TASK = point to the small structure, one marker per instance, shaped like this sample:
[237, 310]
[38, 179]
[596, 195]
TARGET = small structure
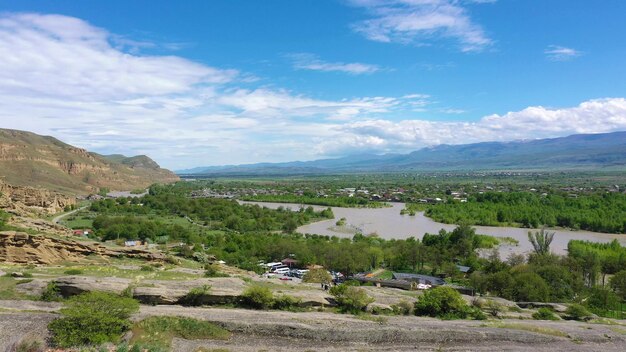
[81, 232]
[290, 262]
[419, 278]
[132, 243]
[463, 269]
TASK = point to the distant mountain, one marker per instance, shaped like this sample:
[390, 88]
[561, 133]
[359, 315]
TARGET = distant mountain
[28, 159]
[581, 152]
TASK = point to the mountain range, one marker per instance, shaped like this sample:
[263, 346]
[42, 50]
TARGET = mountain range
[29, 159]
[575, 152]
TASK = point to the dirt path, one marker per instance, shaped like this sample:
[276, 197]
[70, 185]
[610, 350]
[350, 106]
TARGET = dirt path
[58, 218]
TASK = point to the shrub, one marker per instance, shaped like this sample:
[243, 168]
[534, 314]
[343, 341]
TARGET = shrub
[493, 308]
[577, 312]
[544, 314]
[288, 303]
[350, 298]
[402, 308]
[51, 293]
[73, 272]
[320, 275]
[93, 318]
[161, 330]
[602, 298]
[195, 296]
[442, 302]
[147, 268]
[213, 270]
[30, 345]
[258, 297]
[618, 283]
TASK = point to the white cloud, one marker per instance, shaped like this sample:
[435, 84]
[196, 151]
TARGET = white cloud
[61, 76]
[561, 53]
[420, 22]
[305, 61]
[593, 116]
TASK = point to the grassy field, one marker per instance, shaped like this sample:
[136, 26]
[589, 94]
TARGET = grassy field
[7, 288]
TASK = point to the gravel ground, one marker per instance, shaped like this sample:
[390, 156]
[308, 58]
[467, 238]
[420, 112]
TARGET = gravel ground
[319, 331]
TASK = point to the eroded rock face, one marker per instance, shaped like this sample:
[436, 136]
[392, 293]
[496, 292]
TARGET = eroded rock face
[23, 199]
[22, 248]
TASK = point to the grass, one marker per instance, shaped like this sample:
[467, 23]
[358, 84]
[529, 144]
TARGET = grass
[618, 330]
[161, 330]
[526, 327]
[384, 275]
[7, 288]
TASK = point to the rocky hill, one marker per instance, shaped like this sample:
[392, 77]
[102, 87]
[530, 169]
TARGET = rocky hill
[28, 159]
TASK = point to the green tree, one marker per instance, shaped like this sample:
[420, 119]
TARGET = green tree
[442, 302]
[541, 241]
[258, 297]
[618, 284]
[350, 298]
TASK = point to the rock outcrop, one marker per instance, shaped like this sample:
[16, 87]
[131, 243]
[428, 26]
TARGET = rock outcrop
[22, 248]
[25, 201]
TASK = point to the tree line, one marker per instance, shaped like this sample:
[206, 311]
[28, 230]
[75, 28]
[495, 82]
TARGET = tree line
[595, 212]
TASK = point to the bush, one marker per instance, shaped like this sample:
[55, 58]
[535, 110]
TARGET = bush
[288, 303]
[51, 293]
[161, 330]
[30, 345]
[442, 302]
[350, 298]
[493, 308]
[195, 296]
[73, 272]
[213, 270]
[93, 318]
[147, 268]
[320, 275]
[577, 312]
[544, 314]
[618, 284]
[257, 297]
[402, 308]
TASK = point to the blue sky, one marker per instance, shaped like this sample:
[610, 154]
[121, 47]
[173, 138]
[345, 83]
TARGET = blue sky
[197, 83]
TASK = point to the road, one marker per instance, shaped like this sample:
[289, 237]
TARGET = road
[60, 217]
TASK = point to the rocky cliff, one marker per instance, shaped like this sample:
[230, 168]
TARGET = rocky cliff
[22, 248]
[28, 159]
[24, 200]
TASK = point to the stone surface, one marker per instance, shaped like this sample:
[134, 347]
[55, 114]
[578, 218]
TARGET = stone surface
[22, 248]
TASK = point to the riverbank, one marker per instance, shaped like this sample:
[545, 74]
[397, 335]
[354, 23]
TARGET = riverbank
[389, 224]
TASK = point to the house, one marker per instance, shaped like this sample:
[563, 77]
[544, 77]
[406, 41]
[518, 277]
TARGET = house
[419, 278]
[290, 262]
[81, 232]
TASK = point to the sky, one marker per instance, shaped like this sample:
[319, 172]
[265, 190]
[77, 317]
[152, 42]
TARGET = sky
[222, 82]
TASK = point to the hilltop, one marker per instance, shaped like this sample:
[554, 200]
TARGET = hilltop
[29, 159]
[577, 152]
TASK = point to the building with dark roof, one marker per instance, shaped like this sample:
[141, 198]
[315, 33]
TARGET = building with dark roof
[419, 278]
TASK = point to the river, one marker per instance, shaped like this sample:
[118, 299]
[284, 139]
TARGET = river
[389, 224]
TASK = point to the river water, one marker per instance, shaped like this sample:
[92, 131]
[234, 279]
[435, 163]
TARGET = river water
[389, 224]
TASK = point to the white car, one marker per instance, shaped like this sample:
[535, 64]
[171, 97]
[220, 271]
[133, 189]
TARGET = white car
[423, 286]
